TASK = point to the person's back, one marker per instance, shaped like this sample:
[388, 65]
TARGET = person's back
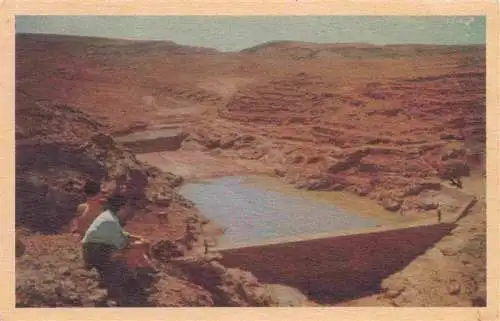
[106, 229]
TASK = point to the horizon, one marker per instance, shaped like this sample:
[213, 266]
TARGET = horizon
[255, 46]
[236, 33]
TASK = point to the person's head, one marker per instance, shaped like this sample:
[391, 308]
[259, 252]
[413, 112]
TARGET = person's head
[116, 202]
[91, 188]
[121, 206]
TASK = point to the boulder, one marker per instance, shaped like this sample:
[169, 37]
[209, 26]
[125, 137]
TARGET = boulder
[359, 190]
[165, 250]
[279, 172]
[103, 140]
[453, 153]
[391, 203]
[286, 296]
[314, 159]
[453, 169]
[162, 199]
[340, 165]
[426, 204]
[317, 184]
[416, 188]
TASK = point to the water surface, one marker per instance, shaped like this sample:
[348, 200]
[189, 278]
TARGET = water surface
[253, 214]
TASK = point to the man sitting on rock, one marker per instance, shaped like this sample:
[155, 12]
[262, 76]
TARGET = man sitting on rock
[105, 244]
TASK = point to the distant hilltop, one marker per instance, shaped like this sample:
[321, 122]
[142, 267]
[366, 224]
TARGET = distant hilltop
[121, 43]
[283, 44]
[307, 50]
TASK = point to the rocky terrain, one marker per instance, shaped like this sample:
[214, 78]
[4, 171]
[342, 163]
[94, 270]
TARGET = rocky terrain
[57, 149]
[389, 123]
[321, 116]
[388, 136]
[457, 265]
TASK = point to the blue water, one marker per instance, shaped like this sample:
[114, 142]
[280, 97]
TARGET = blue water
[252, 214]
[234, 33]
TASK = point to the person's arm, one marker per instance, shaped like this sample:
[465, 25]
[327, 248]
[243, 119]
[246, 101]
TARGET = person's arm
[132, 237]
[75, 223]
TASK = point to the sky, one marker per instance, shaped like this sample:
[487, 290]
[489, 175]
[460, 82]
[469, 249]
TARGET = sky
[234, 33]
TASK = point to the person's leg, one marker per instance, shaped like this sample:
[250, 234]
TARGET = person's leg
[95, 256]
[110, 279]
[119, 278]
[91, 255]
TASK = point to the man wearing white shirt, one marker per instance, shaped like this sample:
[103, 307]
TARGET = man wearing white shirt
[104, 239]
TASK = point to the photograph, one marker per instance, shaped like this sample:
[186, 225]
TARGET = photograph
[314, 161]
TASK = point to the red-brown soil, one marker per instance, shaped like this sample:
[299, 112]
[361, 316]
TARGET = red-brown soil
[388, 123]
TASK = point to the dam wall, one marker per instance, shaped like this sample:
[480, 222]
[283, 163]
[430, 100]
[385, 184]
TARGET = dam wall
[338, 268]
[153, 140]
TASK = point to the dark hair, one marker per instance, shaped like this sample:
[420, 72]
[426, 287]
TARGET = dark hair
[116, 201]
[91, 188]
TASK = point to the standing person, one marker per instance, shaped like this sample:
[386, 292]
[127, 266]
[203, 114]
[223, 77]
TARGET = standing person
[205, 244]
[439, 214]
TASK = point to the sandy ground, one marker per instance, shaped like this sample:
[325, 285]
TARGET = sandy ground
[195, 165]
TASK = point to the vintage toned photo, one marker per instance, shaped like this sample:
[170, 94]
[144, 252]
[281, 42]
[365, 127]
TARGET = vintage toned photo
[250, 161]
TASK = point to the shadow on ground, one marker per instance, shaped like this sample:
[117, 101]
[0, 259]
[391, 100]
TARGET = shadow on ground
[332, 270]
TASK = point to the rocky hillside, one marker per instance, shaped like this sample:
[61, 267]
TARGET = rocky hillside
[51, 274]
[57, 149]
[453, 273]
[384, 128]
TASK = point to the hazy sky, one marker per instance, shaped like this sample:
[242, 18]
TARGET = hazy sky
[231, 33]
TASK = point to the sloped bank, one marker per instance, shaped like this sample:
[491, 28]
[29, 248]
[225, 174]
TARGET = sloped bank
[51, 274]
[57, 149]
[451, 273]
